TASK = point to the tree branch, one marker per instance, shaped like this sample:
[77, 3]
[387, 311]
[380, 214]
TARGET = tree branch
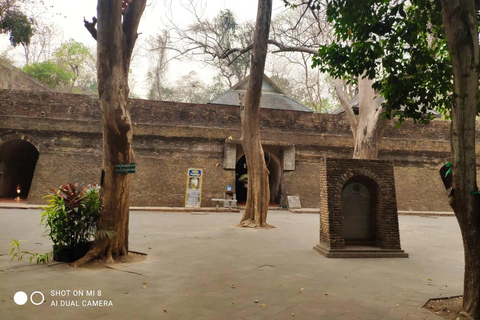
[91, 27]
[233, 50]
[281, 48]
[131, 20]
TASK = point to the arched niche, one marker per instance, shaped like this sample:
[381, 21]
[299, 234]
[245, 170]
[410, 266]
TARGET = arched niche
[275, 169]
[18, 159]
[359, 202]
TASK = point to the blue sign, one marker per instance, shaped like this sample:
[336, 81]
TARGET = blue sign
[195, 173]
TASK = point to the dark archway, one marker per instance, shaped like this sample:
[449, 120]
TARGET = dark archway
[359, 202]
[18, 159]
[273, 165]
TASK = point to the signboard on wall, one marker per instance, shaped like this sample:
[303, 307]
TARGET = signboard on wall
[193, 195]
[289, 158]
[230, 156]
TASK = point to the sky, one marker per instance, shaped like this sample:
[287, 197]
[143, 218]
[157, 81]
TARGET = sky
[68, 16]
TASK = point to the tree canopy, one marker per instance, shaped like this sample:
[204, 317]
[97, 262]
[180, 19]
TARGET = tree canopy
[71, 69]
[400, 45]
[15, 23]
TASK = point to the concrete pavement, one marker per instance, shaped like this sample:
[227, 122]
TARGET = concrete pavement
[201, 267]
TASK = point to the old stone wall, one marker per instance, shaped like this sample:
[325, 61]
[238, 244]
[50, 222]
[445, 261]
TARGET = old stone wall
[14, 79]
[171, 137]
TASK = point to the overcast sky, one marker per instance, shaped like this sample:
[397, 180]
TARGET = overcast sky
[68, 17]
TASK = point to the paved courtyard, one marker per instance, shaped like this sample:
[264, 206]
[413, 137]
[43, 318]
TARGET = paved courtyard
[201, 267]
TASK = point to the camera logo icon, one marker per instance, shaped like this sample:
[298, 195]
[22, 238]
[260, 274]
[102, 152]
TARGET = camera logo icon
[21, 298]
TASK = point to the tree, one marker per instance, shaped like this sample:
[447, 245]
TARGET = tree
[369, 125]
[191, 89]
[76, 58]
[49, 73]
[39, 49]
[258, 194]
[296, 36]
[301, 29]
[15, 23]
[156, 76]
[115, 29]
[422, 54]
[211, 38]
[70, 70]
[460, 19]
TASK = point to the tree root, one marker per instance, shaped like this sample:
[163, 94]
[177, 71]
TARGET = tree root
[249, 223]
[98, 252]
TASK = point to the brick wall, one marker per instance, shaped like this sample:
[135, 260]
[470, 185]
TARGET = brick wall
[378, 177]
[171, 137]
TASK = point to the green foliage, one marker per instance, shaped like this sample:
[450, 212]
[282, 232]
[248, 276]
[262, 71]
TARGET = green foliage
[17, 253]
[72, 69]
[104, 234]
[18, 25]
[70, 220]
[49, 73]
[76, 59]
[448, 172]
[398, 44]
[71, 215]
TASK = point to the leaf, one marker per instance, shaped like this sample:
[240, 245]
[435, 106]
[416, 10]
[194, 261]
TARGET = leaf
[475, 192]
[448, 172]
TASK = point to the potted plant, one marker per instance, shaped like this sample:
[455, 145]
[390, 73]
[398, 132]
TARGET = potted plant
[71, 220]
[244, 179]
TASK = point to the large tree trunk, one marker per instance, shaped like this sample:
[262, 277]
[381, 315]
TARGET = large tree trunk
[115, 41]
[461, 28]
[258, 194]
[368, 127]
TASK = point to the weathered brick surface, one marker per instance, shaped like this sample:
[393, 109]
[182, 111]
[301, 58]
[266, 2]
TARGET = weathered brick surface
[378, 177]
[170, 137]
[13, 78]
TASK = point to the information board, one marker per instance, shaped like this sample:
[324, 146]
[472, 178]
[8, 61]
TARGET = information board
[193, 195]
[125, 168]
[294, 202]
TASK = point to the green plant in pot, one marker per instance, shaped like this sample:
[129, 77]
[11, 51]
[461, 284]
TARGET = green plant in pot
[71, 220]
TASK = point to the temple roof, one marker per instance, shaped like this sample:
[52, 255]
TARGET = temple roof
[272, 96]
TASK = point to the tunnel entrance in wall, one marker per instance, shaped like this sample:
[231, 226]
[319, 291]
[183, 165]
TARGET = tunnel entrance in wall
[18, 159]
[273, 165]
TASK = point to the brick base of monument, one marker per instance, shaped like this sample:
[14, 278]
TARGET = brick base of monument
[360, 252]
[358, 210]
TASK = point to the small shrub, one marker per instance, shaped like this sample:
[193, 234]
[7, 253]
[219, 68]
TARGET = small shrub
[71, 215]
[70, 219]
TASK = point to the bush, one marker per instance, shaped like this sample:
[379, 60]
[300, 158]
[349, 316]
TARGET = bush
[71, 219]
[71, 215]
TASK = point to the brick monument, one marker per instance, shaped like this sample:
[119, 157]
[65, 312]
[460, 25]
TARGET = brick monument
[358, 209]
